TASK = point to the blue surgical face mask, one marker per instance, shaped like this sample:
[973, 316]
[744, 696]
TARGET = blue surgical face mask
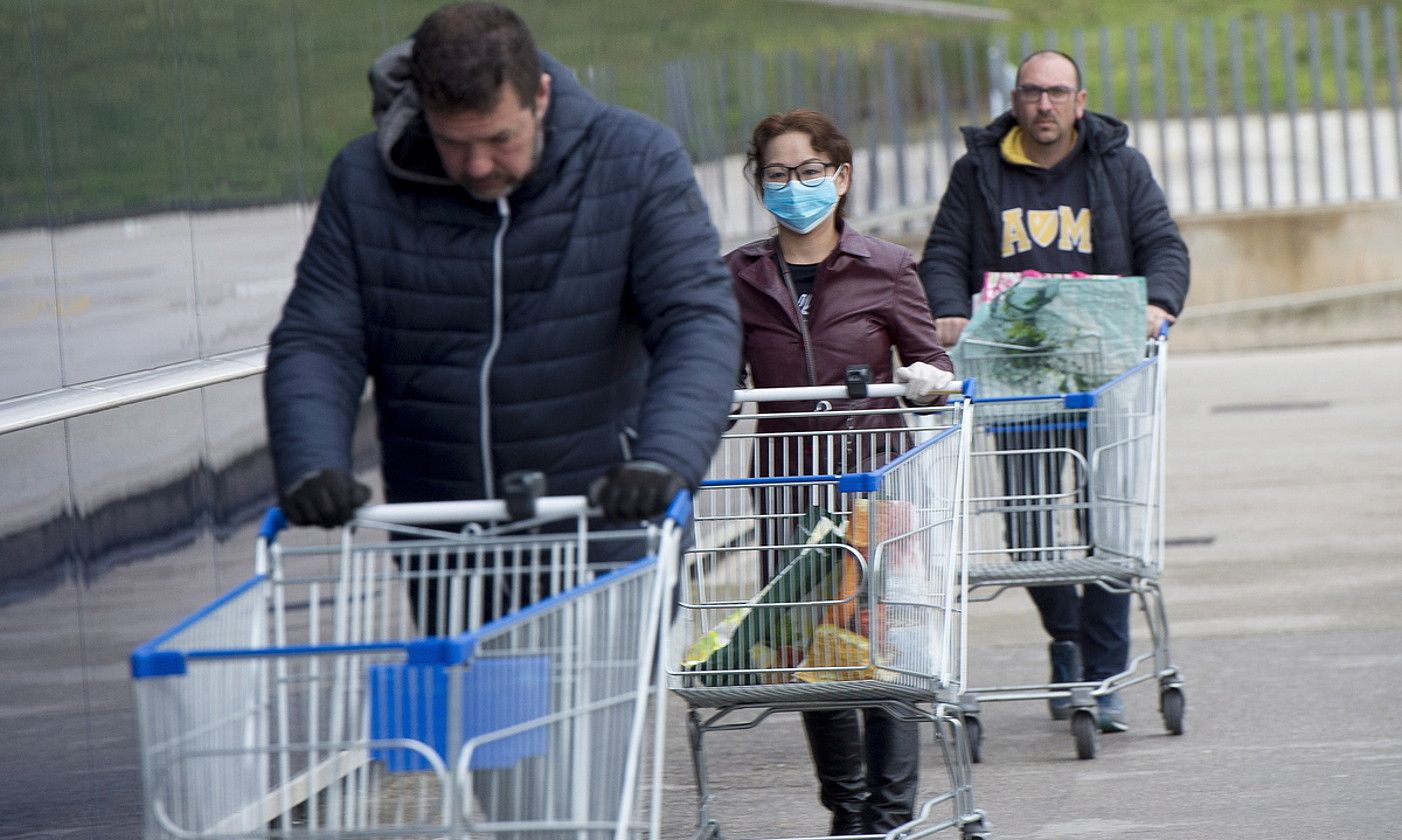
[801, 208]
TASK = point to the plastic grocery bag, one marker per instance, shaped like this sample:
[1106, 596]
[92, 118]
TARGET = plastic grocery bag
[1054, 335]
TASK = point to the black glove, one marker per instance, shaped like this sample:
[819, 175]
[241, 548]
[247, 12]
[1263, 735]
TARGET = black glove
[327, 498]
[635, 490]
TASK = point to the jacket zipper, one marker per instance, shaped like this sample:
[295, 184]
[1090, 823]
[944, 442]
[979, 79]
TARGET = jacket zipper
[484, 394]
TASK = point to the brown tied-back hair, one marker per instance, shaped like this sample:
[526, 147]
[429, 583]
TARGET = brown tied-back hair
[464, 52]
[827, 139]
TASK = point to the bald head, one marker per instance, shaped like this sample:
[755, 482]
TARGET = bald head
[1047, 102]
[1055, 58]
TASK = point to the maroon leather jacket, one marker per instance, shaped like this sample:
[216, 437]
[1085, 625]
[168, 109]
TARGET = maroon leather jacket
[867, 298]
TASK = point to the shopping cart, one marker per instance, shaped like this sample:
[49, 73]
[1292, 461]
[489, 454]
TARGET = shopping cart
[306, 703]
[828, 573]
[1067, 488]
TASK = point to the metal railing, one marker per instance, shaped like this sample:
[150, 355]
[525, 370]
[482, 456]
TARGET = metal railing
[1233, 113]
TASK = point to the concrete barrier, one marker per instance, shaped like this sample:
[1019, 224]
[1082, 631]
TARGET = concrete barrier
[1345, 315]
[1268, 253]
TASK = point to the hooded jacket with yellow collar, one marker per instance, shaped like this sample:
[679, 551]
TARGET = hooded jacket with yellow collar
[1130, 223]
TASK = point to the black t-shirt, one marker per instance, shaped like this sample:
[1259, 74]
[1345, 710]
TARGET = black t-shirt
[804, 277]
[1045, 217]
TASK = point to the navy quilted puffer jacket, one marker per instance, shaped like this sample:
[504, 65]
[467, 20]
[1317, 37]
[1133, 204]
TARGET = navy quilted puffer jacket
[589, 323]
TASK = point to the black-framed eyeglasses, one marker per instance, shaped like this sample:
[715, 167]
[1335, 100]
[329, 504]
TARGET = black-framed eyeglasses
[810, 173]
[1058, 94]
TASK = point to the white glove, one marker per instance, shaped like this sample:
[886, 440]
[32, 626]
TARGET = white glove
[921, 379]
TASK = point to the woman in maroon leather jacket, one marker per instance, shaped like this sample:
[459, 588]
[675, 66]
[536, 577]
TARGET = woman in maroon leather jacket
[818, 297]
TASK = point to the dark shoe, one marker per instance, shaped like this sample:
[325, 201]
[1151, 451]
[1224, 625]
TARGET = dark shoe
[847, 822]
[1065, 668]
[1112, 713]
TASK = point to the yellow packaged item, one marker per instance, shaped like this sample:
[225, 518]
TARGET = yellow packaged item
[834, 647]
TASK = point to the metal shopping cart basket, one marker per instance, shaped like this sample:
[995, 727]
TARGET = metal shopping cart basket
[1067, 488]
[306, 703]
[828, 573]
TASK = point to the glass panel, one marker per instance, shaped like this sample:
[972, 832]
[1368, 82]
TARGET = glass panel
[28, 321]
[145, 562]
[241, 471]
[28, 313]
[22, 194]
[244, 127]
[42, 705]
[112, 98]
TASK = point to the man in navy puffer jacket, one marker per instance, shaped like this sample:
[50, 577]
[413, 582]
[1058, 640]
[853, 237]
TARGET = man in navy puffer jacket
[529, 278]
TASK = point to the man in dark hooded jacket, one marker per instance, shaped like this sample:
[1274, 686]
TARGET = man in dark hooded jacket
[1053, 187]
[529, 278]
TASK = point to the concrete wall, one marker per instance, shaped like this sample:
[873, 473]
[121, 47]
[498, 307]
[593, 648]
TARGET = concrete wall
[1242, 256]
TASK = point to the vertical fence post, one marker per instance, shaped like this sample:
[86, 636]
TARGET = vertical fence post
[896, 102]
[946, 129]
[1317, 99]
[923, 92]
[1107, 75]
[1209, 63]
[1078, 51]
[1264, 104]
[1131, 56]
[1365, 67]
[1180, 45]
[971, 97]
[1394, 100]
[845, 82]
[1024, 45]
[1341, 84]
[999, 85]
[1160, 105]
[1287, 64]
[1239, 108]
[756, 107]
[871, 133]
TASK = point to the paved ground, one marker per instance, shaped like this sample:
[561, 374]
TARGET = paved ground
[1284, 592]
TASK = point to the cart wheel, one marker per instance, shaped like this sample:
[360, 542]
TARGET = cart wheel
[1087, 732]
[1171, 703]
[973, 733]
[976, 830]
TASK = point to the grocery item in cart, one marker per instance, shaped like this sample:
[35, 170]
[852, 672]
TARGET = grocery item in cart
[1054, 335]
[776, 626]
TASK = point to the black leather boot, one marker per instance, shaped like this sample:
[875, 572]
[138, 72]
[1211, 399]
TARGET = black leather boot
[893, 770]
[835, 740]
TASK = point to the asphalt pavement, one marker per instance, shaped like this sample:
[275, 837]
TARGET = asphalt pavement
[1283, 586]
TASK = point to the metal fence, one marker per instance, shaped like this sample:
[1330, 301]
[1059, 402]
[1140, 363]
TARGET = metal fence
[1233, 113]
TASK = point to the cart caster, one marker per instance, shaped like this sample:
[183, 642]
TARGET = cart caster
[1171, 704]
[973, 734]
[709, 831]
[1087, 731]
[976, 830]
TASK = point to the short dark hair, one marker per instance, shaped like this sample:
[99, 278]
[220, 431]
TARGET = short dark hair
[1074, 66]
[822, 132]
[464, 52]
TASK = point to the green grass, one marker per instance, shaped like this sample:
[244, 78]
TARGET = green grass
[125, 106]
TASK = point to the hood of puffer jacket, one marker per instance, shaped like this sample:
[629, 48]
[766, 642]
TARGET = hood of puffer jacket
[407, 151]
[1102, 132]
